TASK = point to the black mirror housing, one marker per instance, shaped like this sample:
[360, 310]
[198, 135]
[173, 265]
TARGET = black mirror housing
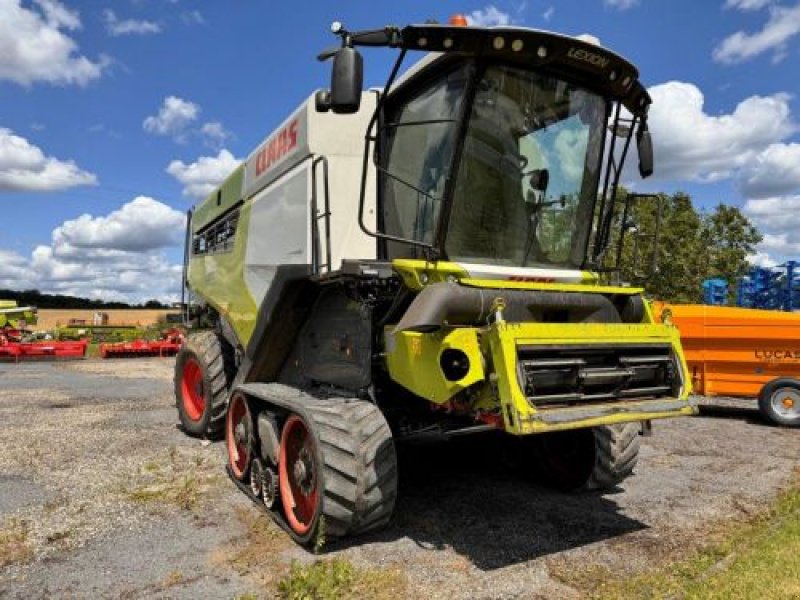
[644, 144]
[347, 79]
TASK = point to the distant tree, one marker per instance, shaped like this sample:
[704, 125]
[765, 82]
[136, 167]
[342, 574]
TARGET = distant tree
[693, 246]
[40, 300]
[154, 304]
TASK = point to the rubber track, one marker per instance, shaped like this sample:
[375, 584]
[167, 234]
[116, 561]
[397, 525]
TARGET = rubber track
[206, 344]
[617, 451]
[359, 462]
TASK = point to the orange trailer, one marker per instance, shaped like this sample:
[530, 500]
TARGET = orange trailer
[742, 352]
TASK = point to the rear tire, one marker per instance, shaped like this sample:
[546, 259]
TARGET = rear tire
[779, 401]
[202, 379]
[584, 459]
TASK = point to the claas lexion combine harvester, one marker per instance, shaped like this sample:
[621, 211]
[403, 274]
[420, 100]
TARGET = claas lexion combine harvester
[427, 260]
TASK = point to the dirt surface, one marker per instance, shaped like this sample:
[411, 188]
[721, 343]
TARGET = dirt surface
[102, 496]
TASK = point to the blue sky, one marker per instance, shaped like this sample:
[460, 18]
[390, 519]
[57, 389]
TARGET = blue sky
[116, 116]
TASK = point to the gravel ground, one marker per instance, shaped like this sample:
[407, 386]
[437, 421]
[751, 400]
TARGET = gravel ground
[102, 496]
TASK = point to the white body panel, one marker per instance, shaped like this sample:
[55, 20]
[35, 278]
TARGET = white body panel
[541, 274]
[278, 185]
[280, 231]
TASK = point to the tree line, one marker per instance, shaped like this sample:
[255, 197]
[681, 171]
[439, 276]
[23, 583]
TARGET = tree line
[42, 300]
[693, 245]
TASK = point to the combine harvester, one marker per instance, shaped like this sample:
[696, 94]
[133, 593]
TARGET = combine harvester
[742, 352]
[424, 261]
[14, 321]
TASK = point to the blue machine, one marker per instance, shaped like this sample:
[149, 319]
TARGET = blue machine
[776, 288]
[715, 292]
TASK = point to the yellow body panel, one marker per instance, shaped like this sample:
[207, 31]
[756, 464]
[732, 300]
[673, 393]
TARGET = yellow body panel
[413, 360]
[521, 417]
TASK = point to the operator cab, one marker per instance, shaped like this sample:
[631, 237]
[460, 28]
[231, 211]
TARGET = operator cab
[491, 149]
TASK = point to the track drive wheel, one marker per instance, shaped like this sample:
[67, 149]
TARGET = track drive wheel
[202, 378]
[337, 465]
[239, 437]
[779, 401]
[598, 458]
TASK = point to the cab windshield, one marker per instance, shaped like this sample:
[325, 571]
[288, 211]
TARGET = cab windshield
[527, 179]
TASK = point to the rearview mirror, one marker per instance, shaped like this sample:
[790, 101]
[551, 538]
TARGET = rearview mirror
[644, 144]
[347, 79]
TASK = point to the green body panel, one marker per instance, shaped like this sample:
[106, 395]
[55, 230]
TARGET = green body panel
[219, 279]
[220, 201]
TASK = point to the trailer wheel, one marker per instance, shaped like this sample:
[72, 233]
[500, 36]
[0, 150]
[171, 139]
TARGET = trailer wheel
[202, 377]
[596, 458]
[779, 401]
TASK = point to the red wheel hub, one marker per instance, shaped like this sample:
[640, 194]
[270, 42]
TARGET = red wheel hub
[298, 475]
[192, 393]
[237, 436]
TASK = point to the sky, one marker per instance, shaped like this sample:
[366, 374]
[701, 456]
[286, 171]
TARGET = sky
[118, 116]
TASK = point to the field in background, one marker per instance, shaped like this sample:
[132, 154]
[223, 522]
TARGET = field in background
[50, 318]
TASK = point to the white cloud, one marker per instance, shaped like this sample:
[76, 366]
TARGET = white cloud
[117, 27]
[24, 167]
[201, 177]
[141, 224]
[762, 259]
[773, 172]
[621, 4]
[783, 24]
[488, 17]
[118, 256]
[548, 14]
[192, 17]
[34, 48]
[57, 15]
[691, 144]
[774, 214]
[176, 117]
[173, 118]
[778, 219]
[589, 39]
[748, 4]
[214, 134]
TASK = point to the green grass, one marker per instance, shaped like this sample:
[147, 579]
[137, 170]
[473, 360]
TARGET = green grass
[338, 579]
[756, 559]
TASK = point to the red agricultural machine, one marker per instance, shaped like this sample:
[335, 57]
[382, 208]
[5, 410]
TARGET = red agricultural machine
[167, 346]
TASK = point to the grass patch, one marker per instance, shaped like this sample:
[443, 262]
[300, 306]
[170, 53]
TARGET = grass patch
[337, 579]
[759, 558]
[257, 553]
[181, 479]
[14, 545]
[182, 491]
[259, 556]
